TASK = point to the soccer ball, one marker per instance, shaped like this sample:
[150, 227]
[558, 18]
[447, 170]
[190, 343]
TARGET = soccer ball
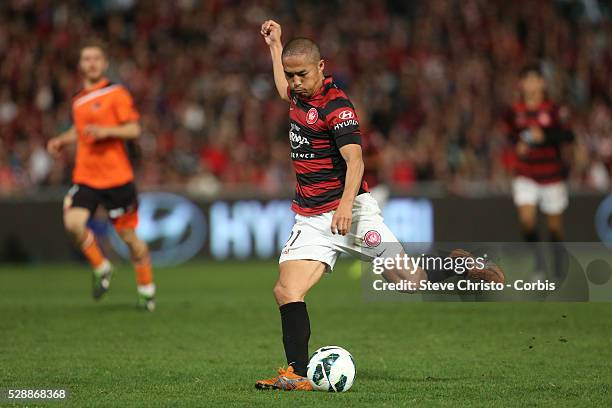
[331, 368]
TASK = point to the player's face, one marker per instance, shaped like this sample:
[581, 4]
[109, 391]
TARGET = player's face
[304, 75]
[92, 63]
[532, 83]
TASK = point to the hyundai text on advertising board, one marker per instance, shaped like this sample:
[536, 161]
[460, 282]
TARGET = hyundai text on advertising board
[176, 229]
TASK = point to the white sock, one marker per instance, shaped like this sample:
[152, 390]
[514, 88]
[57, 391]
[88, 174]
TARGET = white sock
[104, 267]
[147, 290]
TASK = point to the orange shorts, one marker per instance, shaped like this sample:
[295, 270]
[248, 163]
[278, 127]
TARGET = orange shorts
[126, 221]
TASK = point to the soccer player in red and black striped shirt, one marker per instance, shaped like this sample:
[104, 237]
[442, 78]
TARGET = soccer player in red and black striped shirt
[335, 213]
[326, 154]
[540, 133]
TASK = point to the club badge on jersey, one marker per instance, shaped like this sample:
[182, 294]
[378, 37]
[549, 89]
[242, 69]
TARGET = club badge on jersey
[312, 116]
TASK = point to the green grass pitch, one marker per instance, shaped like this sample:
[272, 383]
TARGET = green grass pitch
[217, 330]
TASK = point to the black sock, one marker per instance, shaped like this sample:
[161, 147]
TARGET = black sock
[556, 236]
[296, 333]
[560, 256]
[533, 238]
[434, 268]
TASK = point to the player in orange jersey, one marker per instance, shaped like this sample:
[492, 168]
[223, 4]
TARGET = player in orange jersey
[104, 119]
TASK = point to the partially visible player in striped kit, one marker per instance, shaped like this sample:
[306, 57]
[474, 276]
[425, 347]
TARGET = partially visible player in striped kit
[540, 133]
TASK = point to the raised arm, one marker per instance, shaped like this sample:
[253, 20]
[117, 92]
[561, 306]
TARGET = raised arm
[271, 32]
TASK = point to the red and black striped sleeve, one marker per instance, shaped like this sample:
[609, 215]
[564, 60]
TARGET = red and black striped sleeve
[342, 121]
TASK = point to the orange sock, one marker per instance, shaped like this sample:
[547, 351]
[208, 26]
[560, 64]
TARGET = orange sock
[144, 271]
[91, 250]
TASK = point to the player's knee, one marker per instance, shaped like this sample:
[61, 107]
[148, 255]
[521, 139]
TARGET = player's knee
[279, 293]
[139, 251]
[284, 294]
[128, 236]
[75, 227]
[137, 247]
[527, 220]
[527, 224]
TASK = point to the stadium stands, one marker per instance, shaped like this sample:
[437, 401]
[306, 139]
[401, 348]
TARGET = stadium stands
[430, 81]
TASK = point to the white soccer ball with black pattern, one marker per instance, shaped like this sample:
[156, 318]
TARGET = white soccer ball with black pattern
[332, 369]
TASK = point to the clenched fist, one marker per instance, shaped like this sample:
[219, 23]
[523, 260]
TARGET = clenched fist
[271, 32]
[54, 146]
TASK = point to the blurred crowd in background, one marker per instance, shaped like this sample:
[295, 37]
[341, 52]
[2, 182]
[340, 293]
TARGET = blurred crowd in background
[431, 81]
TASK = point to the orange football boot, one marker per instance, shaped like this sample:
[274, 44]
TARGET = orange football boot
[285, 380]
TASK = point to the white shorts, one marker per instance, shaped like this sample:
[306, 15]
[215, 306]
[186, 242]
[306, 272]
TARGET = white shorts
[551, 198]
[311, 237]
